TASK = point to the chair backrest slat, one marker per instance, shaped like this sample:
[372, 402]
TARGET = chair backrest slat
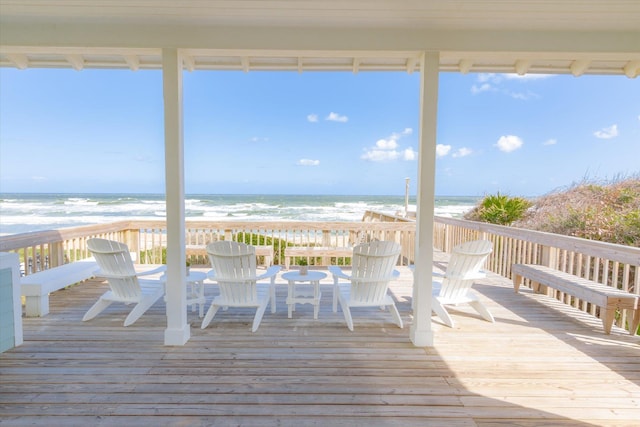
[372, 269]
[234, 264]
[466, 261]
[116, 266]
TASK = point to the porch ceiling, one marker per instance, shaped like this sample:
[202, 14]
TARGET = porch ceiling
[534, 36]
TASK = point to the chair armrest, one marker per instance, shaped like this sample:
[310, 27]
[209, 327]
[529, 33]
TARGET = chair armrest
[271, 271]
[337, 272]
[160, 269]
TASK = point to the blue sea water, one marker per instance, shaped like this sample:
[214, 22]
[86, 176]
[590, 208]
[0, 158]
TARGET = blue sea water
[21, 213]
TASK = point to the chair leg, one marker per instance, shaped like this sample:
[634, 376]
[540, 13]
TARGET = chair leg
[480, 308]
[335, 294]
[258, 317]
[442, 312]
[96, 309]
[213, 309]
[346, 312]
[396, 316]
[141, 308]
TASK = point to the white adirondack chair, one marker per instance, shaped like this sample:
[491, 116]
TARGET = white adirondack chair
[114, 261]
[454, 287]
[372, 269]
[234, 269]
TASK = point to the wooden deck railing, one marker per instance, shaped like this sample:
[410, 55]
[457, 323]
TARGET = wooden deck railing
[610, 264]
[606, 263]
[147, 239]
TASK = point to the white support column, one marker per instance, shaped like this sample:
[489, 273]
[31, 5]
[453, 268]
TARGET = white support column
[178, 331]
[421, 333]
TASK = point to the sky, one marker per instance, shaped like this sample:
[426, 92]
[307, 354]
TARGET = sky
[101, 131]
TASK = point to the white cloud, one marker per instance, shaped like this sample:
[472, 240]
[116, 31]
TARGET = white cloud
[485, 87]
[313, 118]
[335, 117]
[551, 141]
[308, 162]
[409, 154]
[607, 133]
[380, 155]
[386, 149]
[39, 178]
[509, 143]
[494, 82]
[489, 77]
[528, 76]
[462, 152]
[387, 144]
[442, 150]
[259, 139]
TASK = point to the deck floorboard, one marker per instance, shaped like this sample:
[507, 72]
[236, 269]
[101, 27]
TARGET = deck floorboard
[540, 364]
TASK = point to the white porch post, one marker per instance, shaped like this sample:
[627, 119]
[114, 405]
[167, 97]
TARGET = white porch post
[177, 332]
[421, 333]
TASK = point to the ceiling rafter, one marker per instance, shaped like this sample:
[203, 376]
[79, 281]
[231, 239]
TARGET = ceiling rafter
[20, 60]
[133, 62]
[76, 61]
[579, 66]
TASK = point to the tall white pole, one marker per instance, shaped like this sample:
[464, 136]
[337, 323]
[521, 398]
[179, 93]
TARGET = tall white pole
[178, 331]
[421, 333]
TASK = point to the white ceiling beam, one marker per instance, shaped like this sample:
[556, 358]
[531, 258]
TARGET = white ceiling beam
[76, 61]
[19, 60]
[578, 67]
[632, 69]
[133, 62]
[128, 35]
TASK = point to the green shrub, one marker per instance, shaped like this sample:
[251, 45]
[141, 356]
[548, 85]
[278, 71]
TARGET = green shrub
[500, 209]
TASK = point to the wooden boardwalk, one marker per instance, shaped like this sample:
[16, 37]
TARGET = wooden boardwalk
[540, 364]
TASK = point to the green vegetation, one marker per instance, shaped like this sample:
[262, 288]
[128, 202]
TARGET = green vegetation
[607, 212]
[499, 209]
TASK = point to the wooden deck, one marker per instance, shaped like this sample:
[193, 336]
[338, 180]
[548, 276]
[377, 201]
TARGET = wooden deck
[540, 364]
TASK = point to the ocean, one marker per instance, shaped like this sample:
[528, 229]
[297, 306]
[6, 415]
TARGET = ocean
[21, 213]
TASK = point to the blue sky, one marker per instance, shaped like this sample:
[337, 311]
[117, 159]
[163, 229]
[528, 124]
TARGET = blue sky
[314, 132]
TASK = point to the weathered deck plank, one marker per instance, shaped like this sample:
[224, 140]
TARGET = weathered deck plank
[540, 364]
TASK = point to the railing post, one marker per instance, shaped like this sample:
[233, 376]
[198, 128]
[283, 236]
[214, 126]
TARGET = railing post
[56, 254]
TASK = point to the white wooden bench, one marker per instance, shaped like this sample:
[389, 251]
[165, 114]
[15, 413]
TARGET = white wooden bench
[607, 298]
[315, 252]
[261, 250]
[36, 287]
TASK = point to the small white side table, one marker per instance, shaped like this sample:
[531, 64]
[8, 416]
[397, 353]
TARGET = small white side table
[300, 296]
[195, 290]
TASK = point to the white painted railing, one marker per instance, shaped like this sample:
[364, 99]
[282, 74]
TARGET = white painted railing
[606, 263]
[610, 264]
[147, 239]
